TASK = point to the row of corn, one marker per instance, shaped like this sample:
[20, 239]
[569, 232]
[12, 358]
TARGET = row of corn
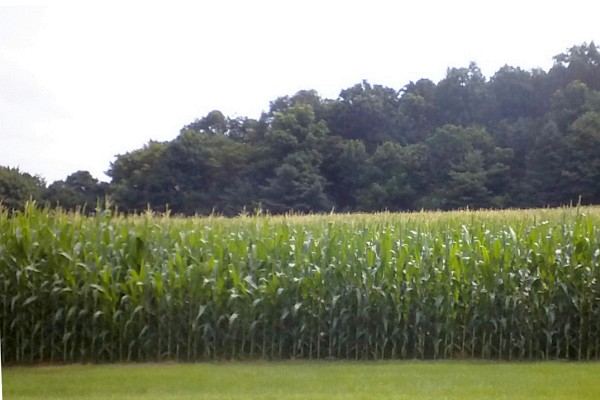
[508, 285]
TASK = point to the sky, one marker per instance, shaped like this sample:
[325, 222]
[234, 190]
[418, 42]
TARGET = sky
[81, 82]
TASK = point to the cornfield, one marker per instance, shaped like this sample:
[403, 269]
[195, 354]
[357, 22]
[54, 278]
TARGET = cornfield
[508, 285]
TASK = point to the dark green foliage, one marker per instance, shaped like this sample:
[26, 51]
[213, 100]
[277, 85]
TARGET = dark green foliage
[462, 97]
[519, 139]
[580, 63]
[417, 111]
[79, 191]
[583, 166]
[17, 187]
[465, 168]
[344, 167]
[366, 112]
[389, 179]
[514, 94]
[139, 179]
[546, 171]
[297, 186]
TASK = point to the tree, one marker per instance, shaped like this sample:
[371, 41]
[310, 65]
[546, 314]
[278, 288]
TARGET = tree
[300, 122]
[522, 138]
[390, 184]
[461, 162]
[583, 163]
[297, 186]
[310, 98]
[294, 141]
[16, 188]
[139, 180]
[579, 63]
[545, 162]
[515, 137]
[202, 168]
[461, 97]
[513, 93]
[417, 111]
[79, 190]
[343, 167]
[213, 123]
[467, 184]
[366, 112]
[569, 103]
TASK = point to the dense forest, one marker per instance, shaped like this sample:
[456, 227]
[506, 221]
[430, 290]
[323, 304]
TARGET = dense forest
[518, 139]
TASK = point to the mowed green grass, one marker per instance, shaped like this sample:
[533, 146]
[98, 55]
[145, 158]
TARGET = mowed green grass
[307, 380]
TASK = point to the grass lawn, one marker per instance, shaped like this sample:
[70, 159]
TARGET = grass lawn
[307, 380]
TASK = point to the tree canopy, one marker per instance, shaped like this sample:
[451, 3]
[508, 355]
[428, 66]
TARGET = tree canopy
[517, 139]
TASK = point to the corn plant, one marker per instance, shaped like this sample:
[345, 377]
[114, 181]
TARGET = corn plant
[508, 285]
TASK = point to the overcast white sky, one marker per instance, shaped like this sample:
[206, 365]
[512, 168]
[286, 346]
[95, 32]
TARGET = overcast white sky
[81, 83]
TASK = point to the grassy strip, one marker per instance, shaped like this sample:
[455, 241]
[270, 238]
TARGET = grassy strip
[307, 380]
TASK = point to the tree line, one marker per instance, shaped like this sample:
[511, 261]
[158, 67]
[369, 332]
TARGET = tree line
[522, 138]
